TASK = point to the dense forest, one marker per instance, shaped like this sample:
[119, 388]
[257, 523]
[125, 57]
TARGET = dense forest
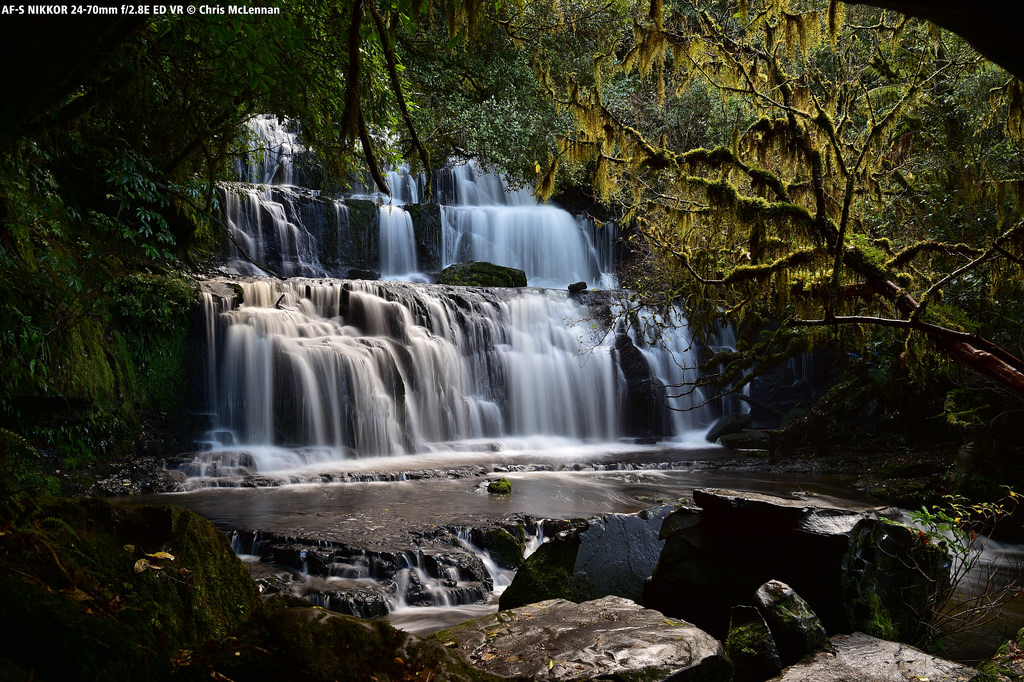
[822, 175]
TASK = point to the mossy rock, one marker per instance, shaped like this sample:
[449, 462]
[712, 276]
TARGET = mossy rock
[548, 573]
[891, 578]
[482, 274]
[500, 487]
[751, 647]
[120, 593]
[505, 549]
[290, 640]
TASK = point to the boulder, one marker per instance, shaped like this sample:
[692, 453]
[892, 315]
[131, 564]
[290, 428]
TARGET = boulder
[577, 287]
[730, 423]
[481, 274]
[356, 273]
[614, 555]
[746, 440]
[861, 657]
[717, 557]
[794, 626]
[502, 486]
[751, 647]
[505, 549]
[119, 593]
[608, 638]
[645, 411]
[891, 576]
[291, 640]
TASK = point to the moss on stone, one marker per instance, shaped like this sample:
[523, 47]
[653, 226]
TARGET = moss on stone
[290, 640]
[548, 574]
[500, 487]
[98, 583]
[505, 549]
[481, 274]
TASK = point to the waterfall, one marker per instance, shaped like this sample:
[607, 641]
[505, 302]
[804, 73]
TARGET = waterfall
[318, 370]
[397, 244]
[491, 223]
[277, 226]
[311, 369]
[267, 159]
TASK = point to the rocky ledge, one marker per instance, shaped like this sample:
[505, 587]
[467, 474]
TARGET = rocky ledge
[609, 639]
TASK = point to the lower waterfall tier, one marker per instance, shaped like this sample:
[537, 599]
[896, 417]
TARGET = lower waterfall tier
[343, 368]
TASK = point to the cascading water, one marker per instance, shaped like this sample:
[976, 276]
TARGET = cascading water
[276, 227]
[319, 370]
[489, 223]
[309, 371]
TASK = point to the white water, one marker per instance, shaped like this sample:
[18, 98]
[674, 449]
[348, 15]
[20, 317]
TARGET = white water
[491, 223]
[313, 371]
[287, 230]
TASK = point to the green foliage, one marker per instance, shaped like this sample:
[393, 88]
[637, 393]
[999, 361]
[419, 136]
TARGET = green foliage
[975, 594]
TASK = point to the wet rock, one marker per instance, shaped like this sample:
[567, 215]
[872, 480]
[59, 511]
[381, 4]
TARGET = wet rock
[751, 647]
[730, 423]
[745, 440]
[644, 413]
[482, 274]
[577, 287]
[890, 577]
[794, 626]
[500, 487]
[356, 273]
[504, 548]
[862, 657]
[614, 555]
[717, 558]
[607, 638]
[619, 551]
[547, 574]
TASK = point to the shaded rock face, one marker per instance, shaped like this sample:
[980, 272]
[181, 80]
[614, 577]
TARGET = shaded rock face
[794, 626]
[643, 410]
[789, 386]
[612, 555]
[293, 641]
[730, 423]
[891, 575]
[117, 592]
[862, 657]
[751, 647]
[482, 274]
[718, 557]
[607, 638]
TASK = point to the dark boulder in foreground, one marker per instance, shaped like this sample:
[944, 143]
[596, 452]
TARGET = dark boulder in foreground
[861, 657]
[794, 626]
[121, 594]
[717, 557]
[751, 646]
[290, 640]
[609, 639]
[613, 554]
[891, 576]
[481, 274]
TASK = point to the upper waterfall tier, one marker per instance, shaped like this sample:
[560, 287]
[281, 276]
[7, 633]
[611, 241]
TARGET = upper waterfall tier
[356, 368]
[278, 226]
